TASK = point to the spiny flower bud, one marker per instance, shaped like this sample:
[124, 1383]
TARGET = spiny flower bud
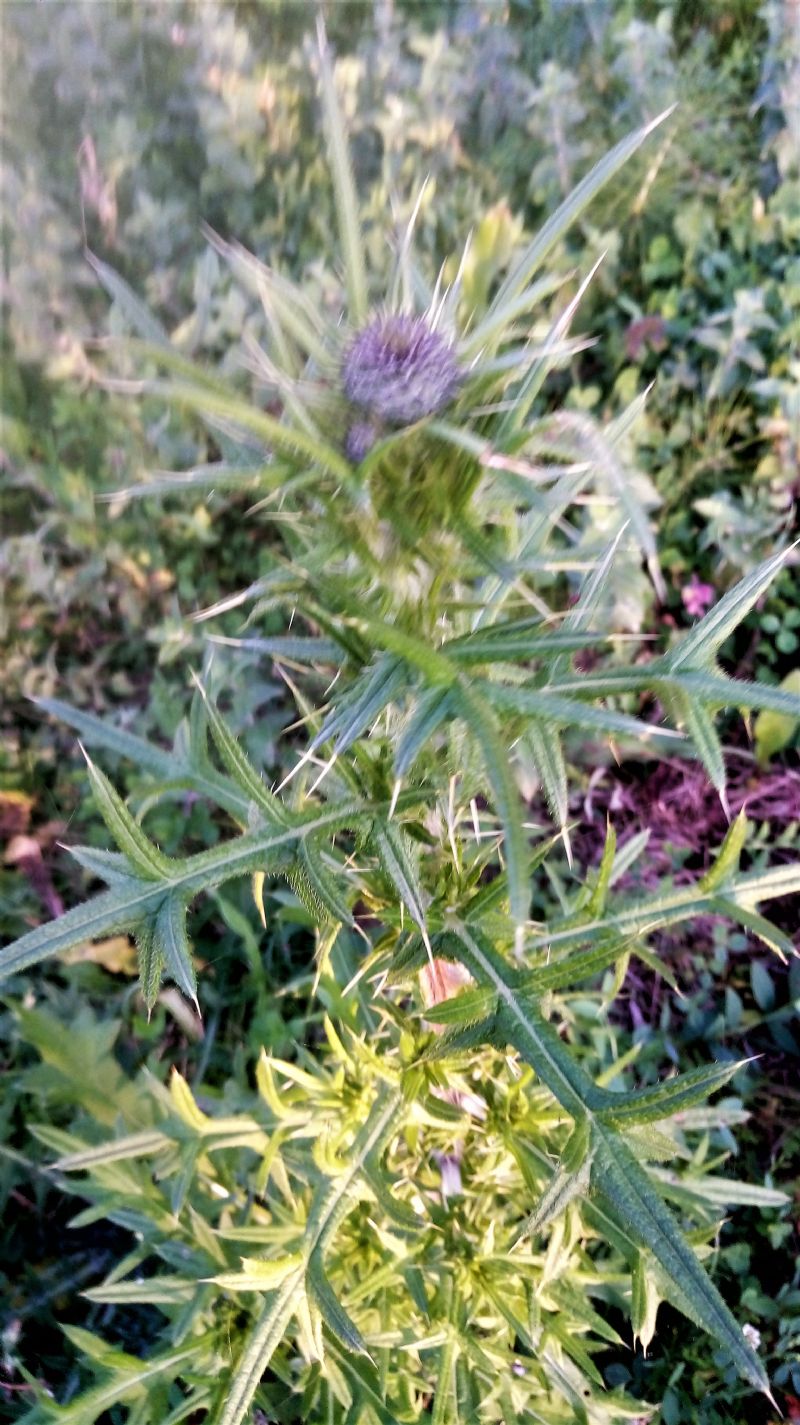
[397, 369]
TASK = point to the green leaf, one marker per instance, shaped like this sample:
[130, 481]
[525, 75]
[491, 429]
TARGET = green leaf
[631, 1197]
[151, 964]
[286, 648]
[109, 866]
[396, 859]
[286, 305]
[571, 969]
[170, 932]
[363, 704]
[401, 284]
[645, 1301]
[570, 1180]
[537, 374]
[483, 725]
[728, 857]
[333, 1313]
[614, 1172]
[219, 476]
[272, 433]
[126, 907]
[772, 731]
[432, 708]
[261, 1346]
[156, 760]
[762, 985]
[119, 909]
[125, 744]
[409, 955]
[169, 358]
[156, 1291]
[445, 1404]
[597, 900]
[465, 1007]
[143, 856]
[241, 769]
[395, 1209]
[262, 1273]
[457, 1041]
[516, 642]
[701, 730]
[719, 1193]
[133, 1145]
[327, 887]
[672, 1096]
[432, 662]
[493, 328]
[567, 712]
[750, 920]
[306, 892]
[706, 638]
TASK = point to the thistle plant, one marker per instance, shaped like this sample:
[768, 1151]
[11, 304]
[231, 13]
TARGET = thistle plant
[430, 519]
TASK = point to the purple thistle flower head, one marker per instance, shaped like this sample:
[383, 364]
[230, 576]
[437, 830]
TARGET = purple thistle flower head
[397, 370]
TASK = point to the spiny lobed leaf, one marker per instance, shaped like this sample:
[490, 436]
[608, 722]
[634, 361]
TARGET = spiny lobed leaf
[613, 1171]
[134, 903]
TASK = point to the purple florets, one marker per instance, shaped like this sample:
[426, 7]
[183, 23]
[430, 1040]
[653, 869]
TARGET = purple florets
[397, 370]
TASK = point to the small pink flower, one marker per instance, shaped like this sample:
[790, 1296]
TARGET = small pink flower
[697, 597]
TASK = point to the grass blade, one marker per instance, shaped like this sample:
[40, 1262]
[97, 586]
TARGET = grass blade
[564, 216]
[344, 187]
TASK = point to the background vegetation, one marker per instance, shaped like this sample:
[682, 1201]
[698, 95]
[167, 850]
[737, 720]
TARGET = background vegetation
[127, 129]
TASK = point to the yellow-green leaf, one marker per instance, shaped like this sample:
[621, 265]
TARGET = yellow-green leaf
[773, 731]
